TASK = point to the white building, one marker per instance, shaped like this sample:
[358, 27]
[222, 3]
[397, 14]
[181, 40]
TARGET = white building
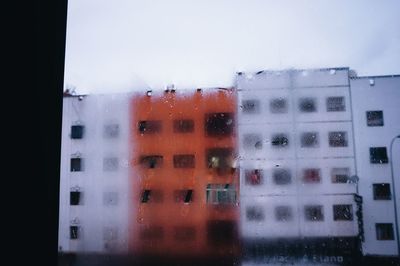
[376, 114]
[94, 174]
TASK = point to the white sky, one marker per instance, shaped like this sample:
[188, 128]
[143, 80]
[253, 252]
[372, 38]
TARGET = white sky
[122, 45]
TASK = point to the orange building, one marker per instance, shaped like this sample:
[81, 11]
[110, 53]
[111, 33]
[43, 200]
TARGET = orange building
[184, 178]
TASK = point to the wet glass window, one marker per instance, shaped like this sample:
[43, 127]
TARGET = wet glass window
[185, 195]
[251, 106]
[221, 232]
[335, 104]
[75, 198]
[184, 161]
[340, 174]
[152, 233]
[76, 165]
[338, 139]
[382, 191]
[110, 198]
[252, 141]
[378, 155]
[254, 213]
[312, 175]
[307, 105]
[111, 131]
[314, 213]
[184, 233]
[220, 159]
[149, 126]
[309, 139]
[183, 126]
[384, 231]
[77, 131]
[282, 176]
[278, 106]
[374, 118]
[343, 212]
[151, 161]
[283, 213]
[280, 140]
[220, 194]
[253, 177]
[219, 124]
[110, 164]
[74, 232]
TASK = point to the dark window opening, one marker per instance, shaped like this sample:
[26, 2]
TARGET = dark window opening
[253, 177]
[145, 196]
[307, 105]
[283, 213]
[74, 232]
[343, 212]
[338, 139]
[384, 231]
[220, 194]
[280, 140]
[311, 175]
[374, 118]
[77, 131]
[184, 233]
[282, 176]
[151, 161]
[184, 161]
[76, 165]
[309, 139]
[183, 126]
[278, 106]
[219, 124]
[185, 196]
[252, 141]
[150, 126]
[378, 155]
[221, 159]
[314, 213]
[111, 131]
[221, 232]
[340, 175]
[382, 191]
[154, 196]
[335, 104]
[254, 214]
[152, 233]
[251, 106]
[74, 197]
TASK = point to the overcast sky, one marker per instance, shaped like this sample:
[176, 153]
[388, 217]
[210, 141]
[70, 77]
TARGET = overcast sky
[124, 45]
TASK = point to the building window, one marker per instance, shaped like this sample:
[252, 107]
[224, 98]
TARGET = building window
[184, 161]
[110, 164]
[221, 194]
[77, 131]
[185, 196]
[309, 140]
[338, 139]
[76, 165]
[74, 232]
[384, 231]
[254, 213]
[312, 175]
[110, 233]
[282, 176]
[155, 196]
[251, 106]
[221, 159]
[378, 155]
[283, 213]
[151, 161]
[335, 104]
[307, 105]
[374, 118]
[111, 131]
[253, 177]
[152, 233]
[252, 141]
[75, 198]
[219, 124]
[343, 212]
[314, 213]
[221, 232]
[280, 140]
[382, 191]
[340, 175]
[278, 106]
[183, 126]
[184, 233]
[110, 198]
[149, 126]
